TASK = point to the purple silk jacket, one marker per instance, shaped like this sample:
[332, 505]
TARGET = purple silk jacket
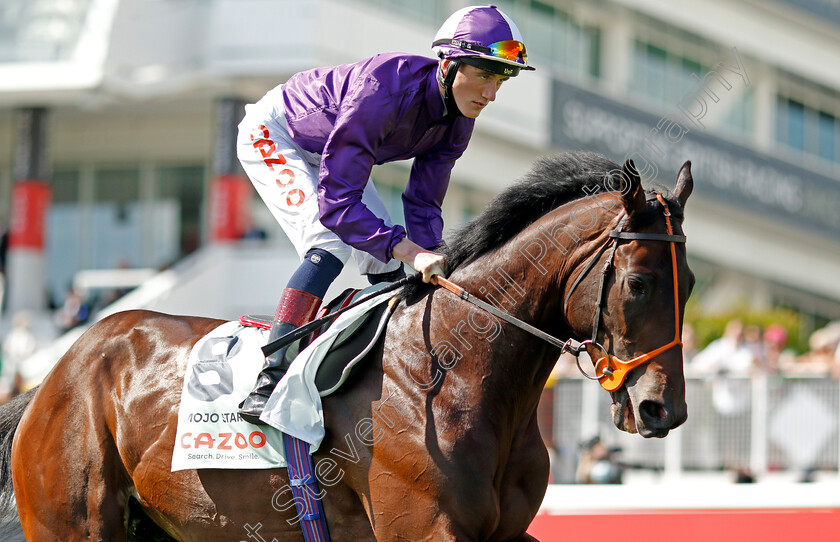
[381, 109]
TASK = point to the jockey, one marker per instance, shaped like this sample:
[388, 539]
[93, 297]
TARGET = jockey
[309, 145]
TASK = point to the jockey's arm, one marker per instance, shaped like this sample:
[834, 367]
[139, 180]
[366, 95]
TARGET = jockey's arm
[421, 260]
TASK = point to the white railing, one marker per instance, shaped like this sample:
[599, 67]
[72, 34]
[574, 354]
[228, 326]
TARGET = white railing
[762, 424]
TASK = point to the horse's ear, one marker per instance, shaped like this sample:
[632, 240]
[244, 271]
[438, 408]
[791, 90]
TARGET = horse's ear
[685, 183]
[634, 195]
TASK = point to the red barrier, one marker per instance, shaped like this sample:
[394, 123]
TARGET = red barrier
[30, 201]
[776, 525]
[229, 215]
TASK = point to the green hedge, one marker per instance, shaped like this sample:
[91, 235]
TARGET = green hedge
[708, 327]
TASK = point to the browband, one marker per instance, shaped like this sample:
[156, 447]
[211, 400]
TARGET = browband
[647, 236]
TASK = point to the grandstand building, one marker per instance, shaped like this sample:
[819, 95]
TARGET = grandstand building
[117, 119]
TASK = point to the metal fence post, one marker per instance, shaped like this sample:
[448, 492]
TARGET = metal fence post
[591, 396]
[759, 424]
[673, 457]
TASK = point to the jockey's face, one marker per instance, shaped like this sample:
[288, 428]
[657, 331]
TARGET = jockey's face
[474, 88]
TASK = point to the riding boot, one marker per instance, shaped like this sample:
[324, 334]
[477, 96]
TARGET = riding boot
[295, 309]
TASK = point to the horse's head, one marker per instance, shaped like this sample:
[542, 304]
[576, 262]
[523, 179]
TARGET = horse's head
[634, 299]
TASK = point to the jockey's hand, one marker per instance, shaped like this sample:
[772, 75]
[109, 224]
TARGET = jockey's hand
[421, 260]
[430, 264]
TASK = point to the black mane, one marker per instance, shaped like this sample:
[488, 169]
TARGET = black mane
[551, 182]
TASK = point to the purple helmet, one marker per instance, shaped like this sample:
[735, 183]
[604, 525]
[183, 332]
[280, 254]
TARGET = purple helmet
[484, 37]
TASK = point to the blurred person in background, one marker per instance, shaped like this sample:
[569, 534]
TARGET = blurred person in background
[599, 464]
[309, 145]
[723, 362]
[820, 359]
[18, 345]
[73, 311]
[775, 354]
[730, 354]
[689, 343]
[754, 342]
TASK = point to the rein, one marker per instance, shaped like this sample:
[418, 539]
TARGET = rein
[609, 369]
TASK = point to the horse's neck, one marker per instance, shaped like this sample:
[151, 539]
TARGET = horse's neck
[527, 276]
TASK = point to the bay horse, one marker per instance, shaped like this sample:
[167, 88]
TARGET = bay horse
[451, 449]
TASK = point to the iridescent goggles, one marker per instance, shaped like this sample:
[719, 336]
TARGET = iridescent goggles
[511, 50]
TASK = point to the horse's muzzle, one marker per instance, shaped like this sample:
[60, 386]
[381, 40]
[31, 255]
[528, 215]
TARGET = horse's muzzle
[656, 420]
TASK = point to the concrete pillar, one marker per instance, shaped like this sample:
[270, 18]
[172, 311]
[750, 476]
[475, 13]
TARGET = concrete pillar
[765, 85]
[31, 194]
[617, 52]
[230, 190]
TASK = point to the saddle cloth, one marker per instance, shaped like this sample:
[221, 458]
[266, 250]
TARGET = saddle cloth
[222, 369]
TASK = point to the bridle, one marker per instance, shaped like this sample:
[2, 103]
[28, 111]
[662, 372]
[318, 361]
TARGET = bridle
[610, 371]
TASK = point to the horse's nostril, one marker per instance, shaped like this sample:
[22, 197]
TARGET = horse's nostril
[653, 411]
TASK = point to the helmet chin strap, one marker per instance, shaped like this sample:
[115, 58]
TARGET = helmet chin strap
[450, 108]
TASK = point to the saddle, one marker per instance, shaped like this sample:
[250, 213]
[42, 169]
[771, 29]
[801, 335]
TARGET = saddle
[350, 343]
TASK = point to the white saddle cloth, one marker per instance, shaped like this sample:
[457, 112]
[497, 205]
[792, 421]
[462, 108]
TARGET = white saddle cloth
[221, 371]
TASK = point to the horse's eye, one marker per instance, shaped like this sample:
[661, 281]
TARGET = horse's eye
[637, 285]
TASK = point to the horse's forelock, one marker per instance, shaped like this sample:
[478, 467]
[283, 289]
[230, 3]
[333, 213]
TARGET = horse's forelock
[653, 211]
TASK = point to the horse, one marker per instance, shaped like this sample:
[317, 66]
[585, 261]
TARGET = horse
[449, 448]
